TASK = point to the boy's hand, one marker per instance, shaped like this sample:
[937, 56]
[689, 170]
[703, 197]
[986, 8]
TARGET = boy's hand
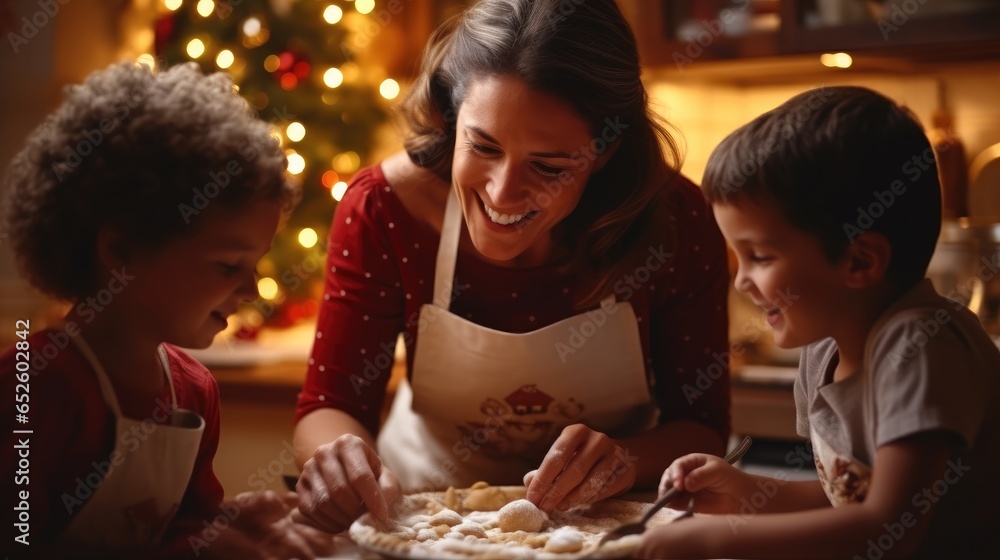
[263, 530]
[716, 485]
[683, 539]
[341, 481]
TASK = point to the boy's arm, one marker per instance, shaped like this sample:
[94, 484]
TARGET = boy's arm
[788, 496]
[903, 470]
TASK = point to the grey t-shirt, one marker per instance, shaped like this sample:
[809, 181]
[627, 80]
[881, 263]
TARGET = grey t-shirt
[928, 365]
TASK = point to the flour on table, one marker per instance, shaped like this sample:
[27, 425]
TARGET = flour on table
[496, 522]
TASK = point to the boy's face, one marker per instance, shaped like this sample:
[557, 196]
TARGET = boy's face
[782, 269]
[183, 292]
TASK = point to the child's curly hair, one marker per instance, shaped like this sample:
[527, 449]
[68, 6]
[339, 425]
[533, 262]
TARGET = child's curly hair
[142, 151]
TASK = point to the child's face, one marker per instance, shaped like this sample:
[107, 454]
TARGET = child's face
[183, 292]
[783, 269]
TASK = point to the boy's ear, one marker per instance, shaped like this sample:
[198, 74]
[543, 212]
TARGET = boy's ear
[112, 252]
[867, 260]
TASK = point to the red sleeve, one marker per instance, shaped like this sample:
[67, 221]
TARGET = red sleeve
[689, 342]
[362, 310]
[197, 390]
[72, 428]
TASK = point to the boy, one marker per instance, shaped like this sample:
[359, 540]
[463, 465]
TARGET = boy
[831, 203]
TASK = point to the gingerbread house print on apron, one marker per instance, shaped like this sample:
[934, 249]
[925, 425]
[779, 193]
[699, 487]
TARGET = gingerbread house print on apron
[484, 404]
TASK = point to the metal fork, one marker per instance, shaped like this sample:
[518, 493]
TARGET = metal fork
[668, 496]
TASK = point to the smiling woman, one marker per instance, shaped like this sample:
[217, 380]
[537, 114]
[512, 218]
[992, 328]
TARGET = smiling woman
[557, 283]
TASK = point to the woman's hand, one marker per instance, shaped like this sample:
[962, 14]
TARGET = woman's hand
[340, 480]
[716, 485]
[582, 466]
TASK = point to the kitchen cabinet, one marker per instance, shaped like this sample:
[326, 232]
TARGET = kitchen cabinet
[676, 35]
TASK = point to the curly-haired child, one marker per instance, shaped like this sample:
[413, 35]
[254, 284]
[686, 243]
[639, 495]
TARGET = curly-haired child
[145, 200]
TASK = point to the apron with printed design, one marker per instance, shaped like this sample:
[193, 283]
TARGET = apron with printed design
[487, 405]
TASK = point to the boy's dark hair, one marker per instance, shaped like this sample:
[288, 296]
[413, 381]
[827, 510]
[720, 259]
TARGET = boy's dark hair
[143, 151]
[839, 161]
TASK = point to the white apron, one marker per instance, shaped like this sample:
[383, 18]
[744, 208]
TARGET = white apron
[140, 495]
[487, 405]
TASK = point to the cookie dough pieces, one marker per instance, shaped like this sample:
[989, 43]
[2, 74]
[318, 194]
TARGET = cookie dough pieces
[521, 515]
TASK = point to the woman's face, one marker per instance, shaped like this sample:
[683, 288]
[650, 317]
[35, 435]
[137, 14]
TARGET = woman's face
[522, 158]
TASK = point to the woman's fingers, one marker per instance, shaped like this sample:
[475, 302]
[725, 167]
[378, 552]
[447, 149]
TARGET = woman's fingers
[601, 475]
[528, 477]
[576, 470]
[337, 482]
[553, 465]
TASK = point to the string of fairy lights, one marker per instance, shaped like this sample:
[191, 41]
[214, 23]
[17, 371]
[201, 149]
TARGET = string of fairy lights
[241, 53]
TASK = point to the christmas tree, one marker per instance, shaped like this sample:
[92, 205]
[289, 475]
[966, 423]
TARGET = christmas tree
[295, 62]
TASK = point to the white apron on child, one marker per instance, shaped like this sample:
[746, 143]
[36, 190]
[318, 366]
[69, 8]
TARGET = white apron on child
[140, 495]
[487, 405]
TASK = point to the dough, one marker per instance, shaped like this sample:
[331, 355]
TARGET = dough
[564, 539]
[521, 515]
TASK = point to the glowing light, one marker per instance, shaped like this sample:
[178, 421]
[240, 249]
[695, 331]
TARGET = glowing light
[365, 6]
[346, 162]
[332, 14]
[147, 60]
[251, 27]
[267, 288]
[205, 7]
[333, 78]
[195, 48]
[836, 60]
[289, 81]
[338, 190]
[225, 58]
[389, 88]
[301, 69]
[272, 62]
[329, 178]
[296, 163]
[295, 131]
[172, 5]
[308, 237]
[259, 100]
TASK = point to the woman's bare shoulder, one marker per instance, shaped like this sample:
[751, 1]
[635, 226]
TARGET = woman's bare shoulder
[421, 193]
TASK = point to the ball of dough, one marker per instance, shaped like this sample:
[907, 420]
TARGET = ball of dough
[521, 515]
[445, 517]
[564, 540]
